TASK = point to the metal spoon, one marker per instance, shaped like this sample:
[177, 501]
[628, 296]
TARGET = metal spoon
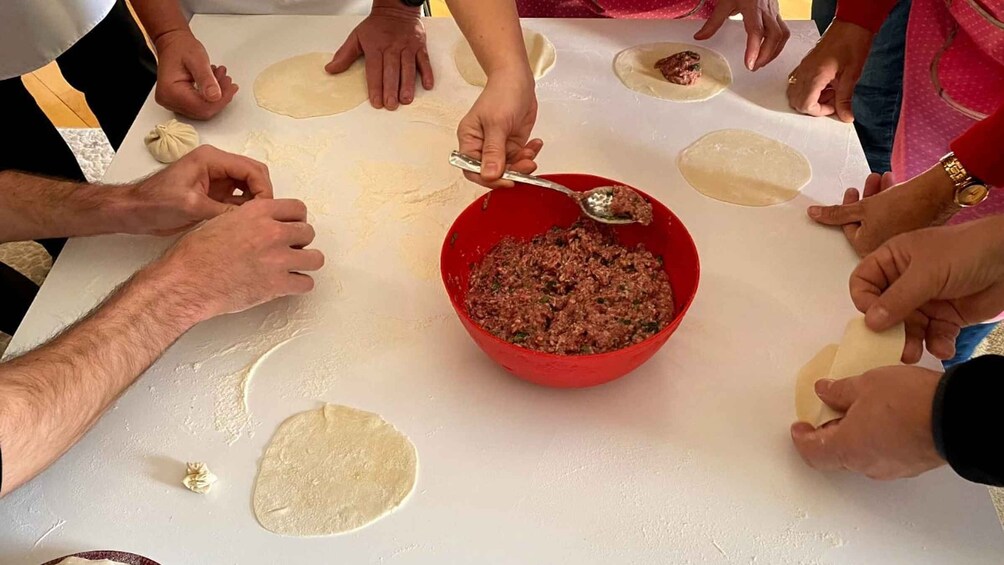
[595, 203]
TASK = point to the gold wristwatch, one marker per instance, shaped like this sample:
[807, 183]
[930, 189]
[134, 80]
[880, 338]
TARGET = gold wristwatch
[969, 190]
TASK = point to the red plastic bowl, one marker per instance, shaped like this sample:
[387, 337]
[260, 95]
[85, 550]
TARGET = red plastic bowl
[524, 212]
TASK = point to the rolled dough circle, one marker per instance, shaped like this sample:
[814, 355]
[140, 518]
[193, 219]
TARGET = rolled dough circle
[331, 471]
[539, 50]
[743, 167]
[635, 67]
[299, 87]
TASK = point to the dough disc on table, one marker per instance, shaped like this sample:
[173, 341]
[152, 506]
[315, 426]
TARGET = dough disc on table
[299, 87]
[743, 167]
[635, 67]
[331, 471]
[860, 351]
[539, 49]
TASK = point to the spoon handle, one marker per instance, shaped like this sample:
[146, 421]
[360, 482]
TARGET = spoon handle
[461, 161]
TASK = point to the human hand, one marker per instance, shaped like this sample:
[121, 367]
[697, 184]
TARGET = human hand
[197, 187]
[884, 210]
[823, 83]
[186, 81]
[886, 431]
[937, 281]
[249, 256]
[392, 39]
[498, 126]
[766, 32]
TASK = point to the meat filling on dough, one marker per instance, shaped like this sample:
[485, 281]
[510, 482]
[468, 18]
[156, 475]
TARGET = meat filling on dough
[683, 68]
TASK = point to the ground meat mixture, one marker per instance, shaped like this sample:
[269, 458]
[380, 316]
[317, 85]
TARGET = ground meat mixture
[682, 68]
[570, 291]
[629, 204]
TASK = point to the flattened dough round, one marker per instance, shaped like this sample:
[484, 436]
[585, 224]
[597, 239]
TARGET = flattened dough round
[635, 67]
[331, 471]
[743, 167]
[299, 87]
[539, 49]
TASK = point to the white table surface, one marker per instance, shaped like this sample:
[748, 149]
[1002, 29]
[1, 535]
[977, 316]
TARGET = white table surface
[688, 460]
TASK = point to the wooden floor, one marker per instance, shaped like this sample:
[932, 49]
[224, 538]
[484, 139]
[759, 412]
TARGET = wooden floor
[67, 108]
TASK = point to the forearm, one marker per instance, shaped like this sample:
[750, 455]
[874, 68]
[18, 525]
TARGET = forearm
[51, 396]
[33, 207]
[160, 17]
[493, 30]
[395, 6]
[966, 419]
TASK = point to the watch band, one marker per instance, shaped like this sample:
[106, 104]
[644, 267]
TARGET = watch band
[959, 175]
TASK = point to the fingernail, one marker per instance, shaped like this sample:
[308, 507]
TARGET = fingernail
[815, 211]
[491, 168]
[877, 316]
[750, 63]
[213, 92]
[823, 385]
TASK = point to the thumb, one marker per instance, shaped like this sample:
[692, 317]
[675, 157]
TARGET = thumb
[839, 395]
[345, 56]
[493, 156]
[907, 293]
[845, 97]
[208, 209]
[199, 67]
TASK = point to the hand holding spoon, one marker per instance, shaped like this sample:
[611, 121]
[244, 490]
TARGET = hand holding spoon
[595, 203]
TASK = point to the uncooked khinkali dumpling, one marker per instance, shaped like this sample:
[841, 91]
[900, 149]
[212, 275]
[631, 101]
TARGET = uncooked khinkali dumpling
[171, 141]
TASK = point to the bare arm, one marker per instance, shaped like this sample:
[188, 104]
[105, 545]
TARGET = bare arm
[160, 17]
[51, 396]
[492, 28]
[34, 207]
[198, 187]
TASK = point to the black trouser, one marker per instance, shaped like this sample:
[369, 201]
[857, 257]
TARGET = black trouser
[115, 70]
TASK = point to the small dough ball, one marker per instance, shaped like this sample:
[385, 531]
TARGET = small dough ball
[539, 50]
[171, 141]
[198, 478]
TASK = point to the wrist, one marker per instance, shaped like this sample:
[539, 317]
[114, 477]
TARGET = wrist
[175, 297]
[939, 189]
[394, 8]
[168, 37]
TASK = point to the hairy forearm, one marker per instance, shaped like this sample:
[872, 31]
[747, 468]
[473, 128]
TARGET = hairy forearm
[33, 207]
[160, 17]
[51, 396]
[492, 28]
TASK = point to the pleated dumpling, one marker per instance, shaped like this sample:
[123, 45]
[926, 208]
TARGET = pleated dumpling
[171, 141]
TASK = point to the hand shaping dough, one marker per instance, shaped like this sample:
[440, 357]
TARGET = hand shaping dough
[743, 167]
[171, 141]
[299, 87]
[636, 69]
[199, 478]
[538, 48]
[331, 471]
[860, 351]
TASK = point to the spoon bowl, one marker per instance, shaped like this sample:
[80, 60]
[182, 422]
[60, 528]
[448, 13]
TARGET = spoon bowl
[595, 203]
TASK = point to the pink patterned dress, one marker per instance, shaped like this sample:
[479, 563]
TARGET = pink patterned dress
[620, 9]
[954, 78]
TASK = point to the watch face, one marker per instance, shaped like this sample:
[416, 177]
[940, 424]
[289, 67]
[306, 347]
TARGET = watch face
[971, 195]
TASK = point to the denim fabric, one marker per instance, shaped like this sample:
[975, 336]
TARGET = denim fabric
[969, 339]
[879, 93]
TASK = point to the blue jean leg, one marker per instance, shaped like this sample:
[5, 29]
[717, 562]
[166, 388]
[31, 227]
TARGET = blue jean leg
[879, 93]
[969, 339]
